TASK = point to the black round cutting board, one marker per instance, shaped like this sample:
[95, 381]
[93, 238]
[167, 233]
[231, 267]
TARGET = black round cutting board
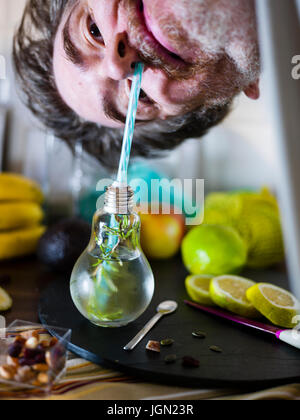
[250, 358]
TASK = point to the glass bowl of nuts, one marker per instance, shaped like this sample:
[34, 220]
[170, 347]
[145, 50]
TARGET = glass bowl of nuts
[31, 357]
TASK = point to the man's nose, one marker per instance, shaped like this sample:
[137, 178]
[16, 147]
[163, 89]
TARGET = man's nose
[120, 58]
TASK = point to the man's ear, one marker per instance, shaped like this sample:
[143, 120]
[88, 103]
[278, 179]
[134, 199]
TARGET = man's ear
[253, 91]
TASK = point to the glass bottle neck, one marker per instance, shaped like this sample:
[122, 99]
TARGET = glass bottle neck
[119, 199]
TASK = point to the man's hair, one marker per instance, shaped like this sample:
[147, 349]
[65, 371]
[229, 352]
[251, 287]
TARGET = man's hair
[33, 60]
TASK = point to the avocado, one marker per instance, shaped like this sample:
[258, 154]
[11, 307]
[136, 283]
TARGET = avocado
[63, 243]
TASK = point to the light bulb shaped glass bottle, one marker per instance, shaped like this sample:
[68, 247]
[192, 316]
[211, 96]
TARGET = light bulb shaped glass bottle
[112, 283]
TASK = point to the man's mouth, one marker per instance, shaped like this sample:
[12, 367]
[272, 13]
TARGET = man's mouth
[152, 30]
[149, 27]
[151, 50]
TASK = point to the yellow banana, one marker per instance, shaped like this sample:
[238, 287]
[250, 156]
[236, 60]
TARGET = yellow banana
[15, 187]
[20, 243]
[19, 215]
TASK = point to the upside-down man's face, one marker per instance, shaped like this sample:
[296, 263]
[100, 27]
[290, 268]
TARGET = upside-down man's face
[197, 53]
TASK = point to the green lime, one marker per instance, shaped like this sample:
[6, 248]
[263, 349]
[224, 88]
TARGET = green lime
[214, 250]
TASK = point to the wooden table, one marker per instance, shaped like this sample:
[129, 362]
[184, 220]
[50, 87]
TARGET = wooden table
[24, 280]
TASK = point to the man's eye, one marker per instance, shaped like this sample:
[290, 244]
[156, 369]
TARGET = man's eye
[94, 31]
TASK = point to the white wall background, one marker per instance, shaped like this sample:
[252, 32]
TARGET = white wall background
[238, 154]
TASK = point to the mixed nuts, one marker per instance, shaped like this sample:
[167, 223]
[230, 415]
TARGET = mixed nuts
[34, 357]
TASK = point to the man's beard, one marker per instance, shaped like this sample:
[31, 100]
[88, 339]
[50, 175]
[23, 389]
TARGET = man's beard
[212, 29]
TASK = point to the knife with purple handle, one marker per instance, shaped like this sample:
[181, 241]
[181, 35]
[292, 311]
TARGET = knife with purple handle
[291, 337]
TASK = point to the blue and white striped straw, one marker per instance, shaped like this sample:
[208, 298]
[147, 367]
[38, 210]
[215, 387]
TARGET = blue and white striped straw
[130, 123]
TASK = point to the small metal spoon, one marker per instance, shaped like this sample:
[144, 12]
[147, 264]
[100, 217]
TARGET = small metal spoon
[165, 308]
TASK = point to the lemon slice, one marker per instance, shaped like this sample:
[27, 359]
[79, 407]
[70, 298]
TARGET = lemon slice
[197, 288]
[229, 292]
[5, 300]
[276, 304]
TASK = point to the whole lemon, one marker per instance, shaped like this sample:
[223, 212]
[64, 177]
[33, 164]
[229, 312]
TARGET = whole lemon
[256, 217]
[214, 249]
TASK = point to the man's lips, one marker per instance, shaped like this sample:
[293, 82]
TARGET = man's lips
[150, 50]
[155, 48]
[156, 33]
